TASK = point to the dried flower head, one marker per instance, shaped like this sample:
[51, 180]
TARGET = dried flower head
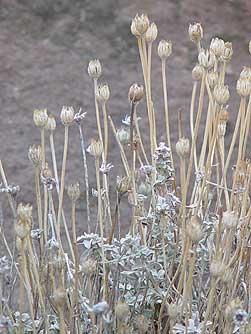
[59, 297]
[123, 135]
[217, 268]
[221, 94]
[139, 25]
[73, 192]
[245, 73]
[197, 72]
[227, 52]
[217, 46]
[145, 188]
[151, 33]
[195, 32]
[136, 93]
[164, 49]
[231, 308]
[122, 311]
[51, 123]
[94, 68]
[194, 230]
[229, 219]
[88, 267]
[40, 117]
[243, 87]
[67, 115]
[206, 58]
[172, 311]
[35, 155]
[123, 184]
[23, 226]
[212, 78]
[183, 147]
[103, 93]
[95, 148]
[24, 212]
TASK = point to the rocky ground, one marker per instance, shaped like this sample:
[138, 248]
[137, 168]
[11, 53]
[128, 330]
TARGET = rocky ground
[45, 47]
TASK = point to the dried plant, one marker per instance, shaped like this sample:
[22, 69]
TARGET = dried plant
[184, 266]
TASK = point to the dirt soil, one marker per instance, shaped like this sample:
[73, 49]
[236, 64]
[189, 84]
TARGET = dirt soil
[45, 47]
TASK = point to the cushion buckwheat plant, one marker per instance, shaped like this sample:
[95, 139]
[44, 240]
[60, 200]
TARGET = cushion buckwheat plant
[184, 266]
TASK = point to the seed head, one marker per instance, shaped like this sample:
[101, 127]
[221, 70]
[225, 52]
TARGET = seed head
[249, 47]
[67, 115]
[24, 212]
[123, 184]
[197, 72]
[103, 93]
[164, 49]
[231, 308]
[123, 135]
[122, 311]
[243, 87]
[40, 117]
[139, 25]
[73, 192]
[172, 311]
[221, 94]
[227, 52]
[195, 32]
[183, 147]
[145, 188]
[51, 124]
[94, 68]
[95, 148]
[136, 93]
[194, 230]
[88, 267]
[35, 155]
[245, 73]
[206, 58]
[59, 297]
[212, 78]
[23, 226]
[217, 46]
[151, 33]
[230, 219]
[217, 268]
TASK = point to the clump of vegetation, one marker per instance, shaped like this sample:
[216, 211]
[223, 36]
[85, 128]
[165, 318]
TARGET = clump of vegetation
[185, 264]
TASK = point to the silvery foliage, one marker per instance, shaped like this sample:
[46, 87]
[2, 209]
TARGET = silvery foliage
[141, 274]
[24, 320]
[194, 326]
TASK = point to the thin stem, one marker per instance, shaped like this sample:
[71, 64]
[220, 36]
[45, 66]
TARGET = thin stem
[61, 193]
[86, 177]
[164, 82]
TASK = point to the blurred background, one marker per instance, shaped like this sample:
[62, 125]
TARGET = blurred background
[45, 47]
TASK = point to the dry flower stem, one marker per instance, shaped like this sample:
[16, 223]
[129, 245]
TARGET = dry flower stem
[61, 193]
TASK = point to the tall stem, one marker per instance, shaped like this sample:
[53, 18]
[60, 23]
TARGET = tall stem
[101, 226]
[61, 192]
[163, 71]
[86, 177]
